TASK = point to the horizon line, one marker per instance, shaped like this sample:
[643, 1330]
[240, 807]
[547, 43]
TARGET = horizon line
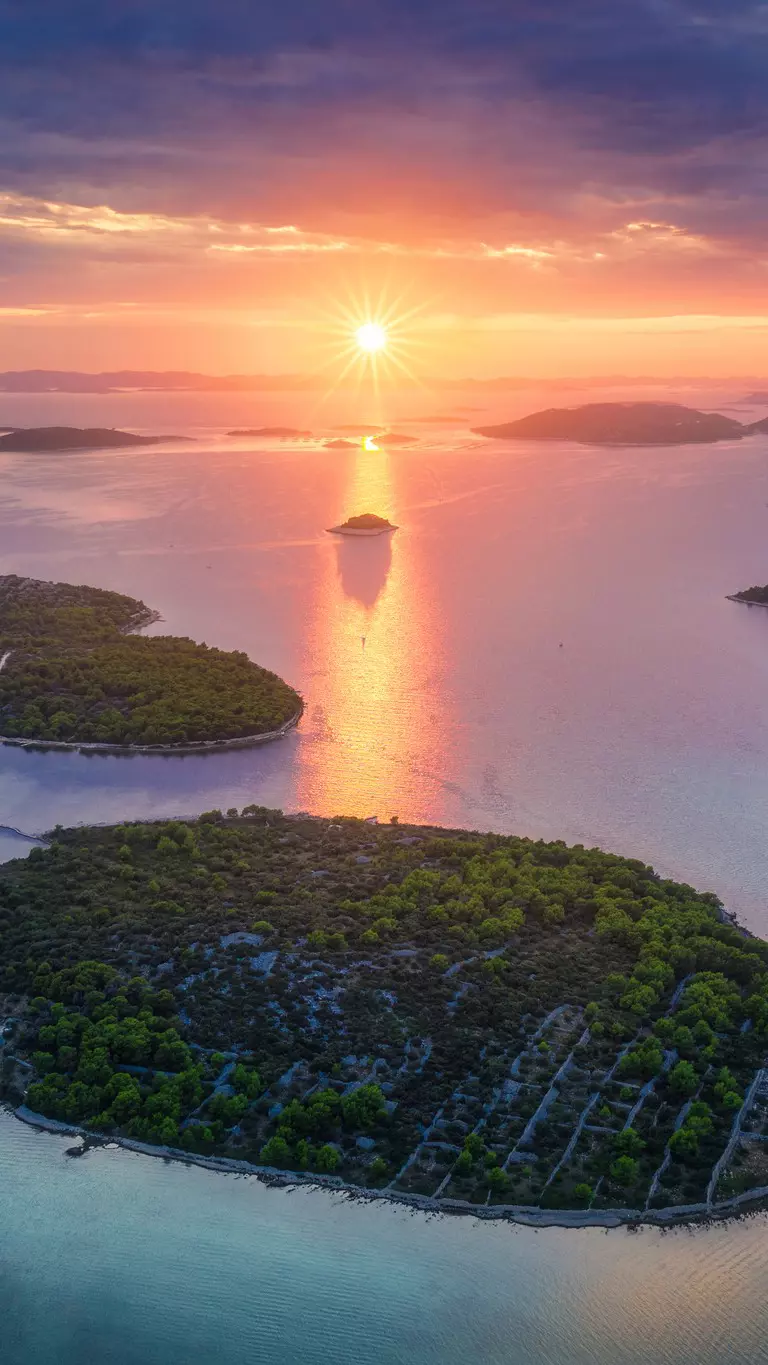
[39, 381]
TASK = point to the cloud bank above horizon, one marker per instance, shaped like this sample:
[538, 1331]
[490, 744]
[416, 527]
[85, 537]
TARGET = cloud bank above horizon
[194, 184]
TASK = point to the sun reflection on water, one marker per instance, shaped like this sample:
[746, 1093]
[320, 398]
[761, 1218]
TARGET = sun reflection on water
[373, 640]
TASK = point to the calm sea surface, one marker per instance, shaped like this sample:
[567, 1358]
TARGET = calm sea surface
[118, 1259]
[543, 647]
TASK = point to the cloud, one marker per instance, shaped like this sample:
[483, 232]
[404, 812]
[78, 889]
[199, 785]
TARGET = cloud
[649, 92]
[680, 324]
[558, 151]
[24, 216]
[643, 236]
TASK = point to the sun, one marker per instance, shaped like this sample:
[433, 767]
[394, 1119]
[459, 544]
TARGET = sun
[371, 337]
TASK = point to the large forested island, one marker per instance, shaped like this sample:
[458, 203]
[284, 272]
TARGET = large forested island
[621, 424]
[72, 671]
[465, 1019]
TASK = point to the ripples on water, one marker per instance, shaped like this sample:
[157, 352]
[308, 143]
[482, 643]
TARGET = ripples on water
[128, 1260]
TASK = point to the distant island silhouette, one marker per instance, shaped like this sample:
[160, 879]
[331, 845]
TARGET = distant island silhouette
[394, 438]
[339, 443]
[366, 524]
[270, 431]
[375, 434]
[76, 438]
[754, 597]
[193, 381]
[150, 381]
[624, 424]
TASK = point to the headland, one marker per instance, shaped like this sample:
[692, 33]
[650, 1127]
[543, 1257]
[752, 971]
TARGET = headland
[73, 672]
[753, 597]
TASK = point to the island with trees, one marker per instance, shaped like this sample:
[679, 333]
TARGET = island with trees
[365, 524]
[43, 439]
[754, 597]
[621, 424]
[73, 672]
[464, 1021]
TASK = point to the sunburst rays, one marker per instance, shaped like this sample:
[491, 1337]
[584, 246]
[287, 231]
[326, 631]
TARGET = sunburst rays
[370, 338]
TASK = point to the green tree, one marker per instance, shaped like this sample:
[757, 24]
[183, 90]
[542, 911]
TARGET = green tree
[624, 1170]
[171, 1053]
[276, 1152]
[327, 1158]
[247, 1081]
[305, 1154]
[628, 1143]
[363, 1107]
[497, 1179]
[683, 1079]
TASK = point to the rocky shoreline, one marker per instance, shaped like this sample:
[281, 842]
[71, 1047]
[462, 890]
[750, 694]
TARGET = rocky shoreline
[745, 601]
[188, 747]
[524, 1214]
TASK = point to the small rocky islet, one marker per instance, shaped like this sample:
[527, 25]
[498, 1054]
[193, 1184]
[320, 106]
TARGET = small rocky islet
[365, 524]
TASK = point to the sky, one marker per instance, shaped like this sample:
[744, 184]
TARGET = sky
[527, 187]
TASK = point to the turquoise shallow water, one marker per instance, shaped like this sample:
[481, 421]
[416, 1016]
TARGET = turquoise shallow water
[119, 1259]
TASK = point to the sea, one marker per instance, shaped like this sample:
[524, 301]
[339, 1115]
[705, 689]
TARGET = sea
[544, 647]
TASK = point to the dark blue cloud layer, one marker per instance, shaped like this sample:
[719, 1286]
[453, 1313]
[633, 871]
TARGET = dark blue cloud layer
[705, 61]
[671, 93]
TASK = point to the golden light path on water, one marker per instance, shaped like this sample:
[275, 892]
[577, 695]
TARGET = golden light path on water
[375, 636]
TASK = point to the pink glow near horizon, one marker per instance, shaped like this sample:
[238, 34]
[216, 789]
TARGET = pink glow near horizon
[551, 190]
